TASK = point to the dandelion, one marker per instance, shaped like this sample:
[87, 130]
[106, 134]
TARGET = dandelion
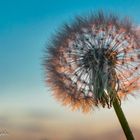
[95, 62]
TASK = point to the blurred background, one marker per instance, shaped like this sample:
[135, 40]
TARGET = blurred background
[27, 109]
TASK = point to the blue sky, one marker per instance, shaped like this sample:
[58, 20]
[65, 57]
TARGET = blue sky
[25, 27]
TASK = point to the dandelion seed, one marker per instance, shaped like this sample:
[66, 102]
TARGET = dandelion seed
[95, 62]
[90, 58]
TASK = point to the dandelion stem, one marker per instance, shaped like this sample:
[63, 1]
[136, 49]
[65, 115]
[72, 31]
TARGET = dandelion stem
[122, 120]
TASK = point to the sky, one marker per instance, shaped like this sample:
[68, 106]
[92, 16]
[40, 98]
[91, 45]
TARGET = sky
[25, 28]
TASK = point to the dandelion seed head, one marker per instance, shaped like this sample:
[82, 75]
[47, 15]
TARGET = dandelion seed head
[93, 61]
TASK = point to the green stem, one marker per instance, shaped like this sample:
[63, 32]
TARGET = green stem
[122, 120]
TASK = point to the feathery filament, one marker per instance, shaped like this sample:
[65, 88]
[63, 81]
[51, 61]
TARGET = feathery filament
[93, 61]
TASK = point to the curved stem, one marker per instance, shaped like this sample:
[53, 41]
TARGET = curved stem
[122, 120]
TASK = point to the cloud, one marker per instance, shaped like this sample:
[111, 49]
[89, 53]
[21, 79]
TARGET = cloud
[116, 134]
[42, 114]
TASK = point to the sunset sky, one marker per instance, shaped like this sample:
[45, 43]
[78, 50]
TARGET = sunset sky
[25, 28]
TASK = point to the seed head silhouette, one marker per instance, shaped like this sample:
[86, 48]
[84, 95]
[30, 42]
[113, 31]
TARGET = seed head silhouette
[93, 61]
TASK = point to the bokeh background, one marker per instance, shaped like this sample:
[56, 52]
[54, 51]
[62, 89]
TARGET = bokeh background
[27, 109]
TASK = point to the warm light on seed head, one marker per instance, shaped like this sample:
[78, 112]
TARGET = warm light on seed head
[93, 61]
